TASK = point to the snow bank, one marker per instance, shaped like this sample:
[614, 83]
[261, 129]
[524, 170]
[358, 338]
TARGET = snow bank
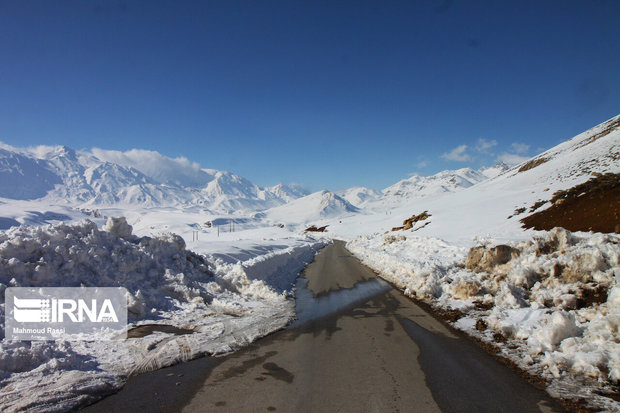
[554, 300]
[219, 305]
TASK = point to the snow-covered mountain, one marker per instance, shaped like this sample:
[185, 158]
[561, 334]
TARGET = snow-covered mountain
[23, 177]
[423, 186]
[138, 178]
[495, 170]
[61, 175]
[359, 195]
[288, 192]
[311, 208]
[418, 186]
[465, 203]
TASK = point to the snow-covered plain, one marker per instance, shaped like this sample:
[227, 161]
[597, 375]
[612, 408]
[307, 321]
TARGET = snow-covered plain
[215, 257]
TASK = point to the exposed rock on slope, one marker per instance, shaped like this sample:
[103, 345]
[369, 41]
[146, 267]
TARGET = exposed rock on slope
[410, 222]
[591, 206]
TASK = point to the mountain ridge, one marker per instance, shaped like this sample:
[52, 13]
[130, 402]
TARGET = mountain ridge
[142, 178]
[62, 175]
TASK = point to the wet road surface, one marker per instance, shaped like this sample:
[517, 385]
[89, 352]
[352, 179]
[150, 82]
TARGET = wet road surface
[358, 346]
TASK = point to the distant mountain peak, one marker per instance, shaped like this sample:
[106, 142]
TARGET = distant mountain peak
[311, 208]
[417, 186]
[495, 170]
[359, 195]
[137, 177]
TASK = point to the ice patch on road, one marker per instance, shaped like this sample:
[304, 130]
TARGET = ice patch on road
[309, 307]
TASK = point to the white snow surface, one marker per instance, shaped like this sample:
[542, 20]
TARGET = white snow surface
[225, 300]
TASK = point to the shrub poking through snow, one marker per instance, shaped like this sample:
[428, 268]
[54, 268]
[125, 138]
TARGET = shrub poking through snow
[551, 304]
[533, 163]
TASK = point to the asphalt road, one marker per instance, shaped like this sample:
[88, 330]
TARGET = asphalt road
[360, 346]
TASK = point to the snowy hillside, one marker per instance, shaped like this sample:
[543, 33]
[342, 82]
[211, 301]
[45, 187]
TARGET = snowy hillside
[547, 300]
[483, 209]
[136, 178]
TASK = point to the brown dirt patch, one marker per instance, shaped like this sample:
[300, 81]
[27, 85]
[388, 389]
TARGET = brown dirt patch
[591, 206]
[532, 164]
[316, 229]
[499, 338]
[590, 296]
[518, 211]
[451, 315]
[484, 258]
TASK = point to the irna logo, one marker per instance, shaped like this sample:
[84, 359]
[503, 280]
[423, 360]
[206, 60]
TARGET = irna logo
[65, 313]
[32, 310]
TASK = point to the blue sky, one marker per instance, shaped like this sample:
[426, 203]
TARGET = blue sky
[328, 94]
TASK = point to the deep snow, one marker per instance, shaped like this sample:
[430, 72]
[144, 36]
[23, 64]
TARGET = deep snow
[225, 300]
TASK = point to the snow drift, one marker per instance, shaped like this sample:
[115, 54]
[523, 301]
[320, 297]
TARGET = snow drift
[220, 306]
